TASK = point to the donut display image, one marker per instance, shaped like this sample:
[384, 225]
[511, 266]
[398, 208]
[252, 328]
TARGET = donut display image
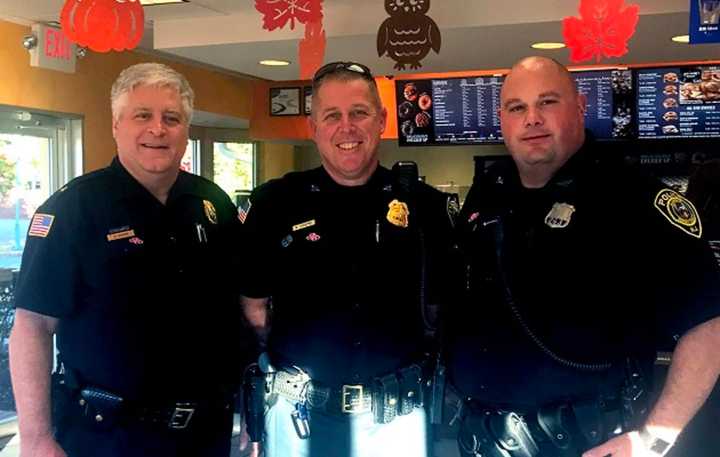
[670, 129]
[405, 110]
[410, 92]
[422, 119]
[670, 77]
[670, 102]
[710, 90]
[670, 89]
[670, 116]
[424, 101]
[407, 128]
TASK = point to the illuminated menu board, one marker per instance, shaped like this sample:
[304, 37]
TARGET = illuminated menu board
[449, 111]
[678, 102]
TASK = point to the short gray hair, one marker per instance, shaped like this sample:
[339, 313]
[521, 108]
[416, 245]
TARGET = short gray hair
[150, 74]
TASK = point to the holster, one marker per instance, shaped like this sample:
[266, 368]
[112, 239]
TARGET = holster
[254, 391]
[101, 408]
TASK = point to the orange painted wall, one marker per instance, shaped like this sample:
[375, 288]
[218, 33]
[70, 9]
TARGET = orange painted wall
[87, 91]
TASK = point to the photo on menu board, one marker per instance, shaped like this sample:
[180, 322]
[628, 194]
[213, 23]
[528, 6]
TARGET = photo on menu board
[414, 112]
[609, 113]
[679, 102]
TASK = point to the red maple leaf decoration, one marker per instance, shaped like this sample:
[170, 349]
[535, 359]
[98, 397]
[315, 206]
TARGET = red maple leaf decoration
[276, 13]
[603, 29]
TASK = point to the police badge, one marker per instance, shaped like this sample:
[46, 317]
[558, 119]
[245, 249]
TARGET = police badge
[559, 215]
[210, 212]
[398, 213]
[679, 211]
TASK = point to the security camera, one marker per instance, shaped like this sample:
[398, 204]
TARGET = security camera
[81, 52]
[29, 42]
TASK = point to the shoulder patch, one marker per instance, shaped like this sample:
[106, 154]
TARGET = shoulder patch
[679, 211]
[40, 225]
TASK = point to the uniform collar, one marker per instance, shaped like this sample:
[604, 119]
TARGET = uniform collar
[324, 182]
[132, 188]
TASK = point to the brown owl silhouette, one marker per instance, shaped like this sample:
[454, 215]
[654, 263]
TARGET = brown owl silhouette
[408, 34]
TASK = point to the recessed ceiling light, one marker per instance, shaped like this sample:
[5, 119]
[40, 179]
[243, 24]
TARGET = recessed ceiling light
[681, 39]
[547, 45]
[274, 63]
[160, 2]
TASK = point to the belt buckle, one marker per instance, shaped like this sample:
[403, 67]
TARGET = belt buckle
[180, 418]
[352, 399]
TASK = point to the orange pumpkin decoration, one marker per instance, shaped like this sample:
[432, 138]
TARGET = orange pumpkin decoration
[102, 25]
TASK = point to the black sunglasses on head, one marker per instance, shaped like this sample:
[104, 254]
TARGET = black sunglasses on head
[337, 67]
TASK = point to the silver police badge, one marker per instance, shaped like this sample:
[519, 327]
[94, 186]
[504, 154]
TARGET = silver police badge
[559, 215]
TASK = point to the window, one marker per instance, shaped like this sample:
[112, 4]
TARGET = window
[191, 159]
[39, 153]
[234, 166]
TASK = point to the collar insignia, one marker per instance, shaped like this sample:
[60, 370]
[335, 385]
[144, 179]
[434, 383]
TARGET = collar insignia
[398, 213]
[210, 212]
[559, 215]
[679, 211]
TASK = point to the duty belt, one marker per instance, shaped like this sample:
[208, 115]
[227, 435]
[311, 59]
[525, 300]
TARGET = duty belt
[387, 396]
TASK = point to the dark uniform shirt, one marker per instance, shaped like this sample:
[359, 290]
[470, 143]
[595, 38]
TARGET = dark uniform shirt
[345, 282]
[615, 277]
[143, 291]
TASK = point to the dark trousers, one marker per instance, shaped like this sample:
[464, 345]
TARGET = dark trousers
[209, 438]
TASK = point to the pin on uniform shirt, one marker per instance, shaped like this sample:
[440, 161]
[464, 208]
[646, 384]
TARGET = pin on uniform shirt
[398, 214]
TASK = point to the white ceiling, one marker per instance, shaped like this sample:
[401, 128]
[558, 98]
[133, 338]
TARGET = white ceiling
[475, 34]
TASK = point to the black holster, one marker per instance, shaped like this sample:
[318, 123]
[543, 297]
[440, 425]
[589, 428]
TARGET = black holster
[254, 392]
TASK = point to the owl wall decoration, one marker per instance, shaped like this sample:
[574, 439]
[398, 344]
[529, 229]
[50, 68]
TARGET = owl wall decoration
[408, 34]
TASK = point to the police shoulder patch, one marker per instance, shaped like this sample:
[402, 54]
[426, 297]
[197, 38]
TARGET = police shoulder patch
[679, 211]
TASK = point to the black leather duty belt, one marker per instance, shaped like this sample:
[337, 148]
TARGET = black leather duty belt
[386, 396]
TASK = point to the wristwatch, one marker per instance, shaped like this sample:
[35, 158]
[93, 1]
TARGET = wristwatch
[656, 446]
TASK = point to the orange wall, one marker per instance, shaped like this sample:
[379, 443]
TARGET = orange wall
[87, 91]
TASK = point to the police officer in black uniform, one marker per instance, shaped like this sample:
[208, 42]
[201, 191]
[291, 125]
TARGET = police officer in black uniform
[578, 271]
[130, 267]
[350, 254]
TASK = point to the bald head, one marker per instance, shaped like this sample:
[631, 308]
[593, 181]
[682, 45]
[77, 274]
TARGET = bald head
[542, 66]
[542, 118]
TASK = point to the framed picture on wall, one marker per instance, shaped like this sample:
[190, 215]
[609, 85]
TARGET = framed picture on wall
[285, 101]
[307, 100]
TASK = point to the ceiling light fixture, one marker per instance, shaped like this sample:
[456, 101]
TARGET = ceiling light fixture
[274, 63]
[547, 45]
[681, 39]
[161, 2]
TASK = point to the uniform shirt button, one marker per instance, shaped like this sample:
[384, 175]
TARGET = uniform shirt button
[172, 239]
[356, 306]
[357, 344]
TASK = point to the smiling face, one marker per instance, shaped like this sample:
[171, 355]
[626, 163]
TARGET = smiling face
[151, 133]
[346, 125]
[542, 118]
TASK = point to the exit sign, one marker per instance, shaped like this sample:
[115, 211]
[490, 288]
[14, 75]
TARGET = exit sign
[54, 50]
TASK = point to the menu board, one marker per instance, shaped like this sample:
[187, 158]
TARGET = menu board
[449, 111]
[678, 102]
[610, 103]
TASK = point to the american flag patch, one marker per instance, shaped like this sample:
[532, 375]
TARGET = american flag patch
[40, 225]
[243, 210]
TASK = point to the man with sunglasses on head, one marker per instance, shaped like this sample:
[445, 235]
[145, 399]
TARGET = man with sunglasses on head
[349, 254]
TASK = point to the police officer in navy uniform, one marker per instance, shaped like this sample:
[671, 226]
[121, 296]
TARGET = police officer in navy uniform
[579, 270]
[350, 254]
[130, 267]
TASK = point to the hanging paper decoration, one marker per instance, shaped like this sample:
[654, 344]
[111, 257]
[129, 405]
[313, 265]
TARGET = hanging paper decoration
[408, 34]
[102, 25]
[311, 49]
[277, 13]
[603, 29]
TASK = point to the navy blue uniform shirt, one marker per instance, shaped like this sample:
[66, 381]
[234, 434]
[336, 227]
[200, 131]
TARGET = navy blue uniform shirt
[345, 282]
[144, 292]
[606, 274]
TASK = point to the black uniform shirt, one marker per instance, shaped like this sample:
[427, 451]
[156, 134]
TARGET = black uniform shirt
[143, 291]
[613, 278]
[344, 281]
